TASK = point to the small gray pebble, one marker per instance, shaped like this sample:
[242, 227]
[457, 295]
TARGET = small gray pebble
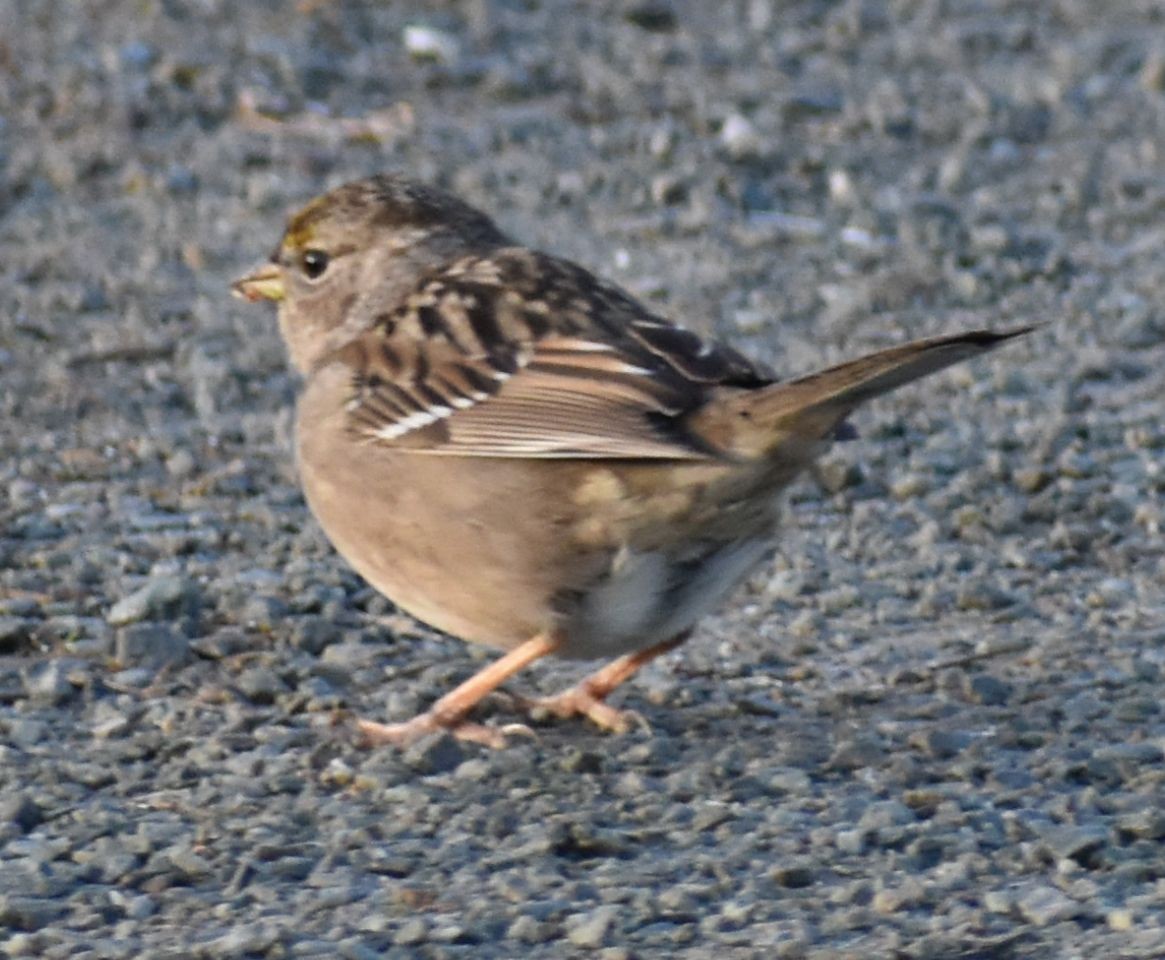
[181, 464]
[987, 690]
[426, 43]
[351, 948]
[141, 907]
[225, 642]
[26, 731]
[136, 677]
[573, 761]
[983, 596]
[677, 903]
[811, 101]
[654, 15]
[263, 612]
[261, 685]
[450, 933]
[999, 901]
[757, 705]
[23, 945]
[439, 753]
[150, 644]
[667, 189]
[313, 634]
[850, 841]
[794, 875]
[886, 813]
[49, 681]
[943, 744]
[187, 863]
[856, 753]
[292, 868]
[525, 929]
[791, 780]
[181, 179]
[25, 607]
[586, 840]
[413, 931]
[1148, 823]
[739, 137]
[1075, 843]
[590, 930]
[834, 475]
[250, 939]
[19, 912]
[137, 54]
[14, 633]
[116, 866]
[1042, 905]
[161, 597]
[1138, 754]
[351, 655]
[20, 809]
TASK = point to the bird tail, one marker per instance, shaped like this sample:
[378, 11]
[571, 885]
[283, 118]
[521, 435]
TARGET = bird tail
[812, 408]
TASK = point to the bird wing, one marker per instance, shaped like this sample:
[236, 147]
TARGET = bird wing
[518, 354]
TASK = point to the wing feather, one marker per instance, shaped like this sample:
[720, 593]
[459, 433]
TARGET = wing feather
[522, 355]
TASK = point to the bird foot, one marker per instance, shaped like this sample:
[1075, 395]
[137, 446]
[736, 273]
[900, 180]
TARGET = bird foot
[578, 701]
[374, 734]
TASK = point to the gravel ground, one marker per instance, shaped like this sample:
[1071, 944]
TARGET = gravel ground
[931, 728]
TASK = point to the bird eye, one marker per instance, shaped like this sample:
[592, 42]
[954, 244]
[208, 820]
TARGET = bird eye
[314, 263]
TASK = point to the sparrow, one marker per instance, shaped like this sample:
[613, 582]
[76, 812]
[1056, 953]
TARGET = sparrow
[522, 455]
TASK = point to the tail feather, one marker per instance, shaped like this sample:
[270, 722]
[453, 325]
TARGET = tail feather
[811, 408]
[851, 384]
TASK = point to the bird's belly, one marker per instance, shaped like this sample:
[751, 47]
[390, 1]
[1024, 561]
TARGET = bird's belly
[495, 551]
[647, 598]
[503, 582]
[461, 581]
[466, 551]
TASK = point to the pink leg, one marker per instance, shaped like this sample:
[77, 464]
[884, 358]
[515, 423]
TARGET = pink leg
[449, 712]
[587, 697]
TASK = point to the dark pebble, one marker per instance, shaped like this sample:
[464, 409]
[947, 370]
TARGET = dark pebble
[434, 754]
[150, 644]
[225, 642]
[313, 634]
[985, 689]
[19, 912]
[21, 810]
[261, 685]
[50, 682]
[15, 632]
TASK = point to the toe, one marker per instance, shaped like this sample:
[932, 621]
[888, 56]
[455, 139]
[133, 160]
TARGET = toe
[578, 702]
[374, 734]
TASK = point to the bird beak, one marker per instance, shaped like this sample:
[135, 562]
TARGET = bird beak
[265, 282]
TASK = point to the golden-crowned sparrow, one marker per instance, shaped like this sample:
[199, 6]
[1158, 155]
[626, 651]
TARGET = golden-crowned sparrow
[519, 453]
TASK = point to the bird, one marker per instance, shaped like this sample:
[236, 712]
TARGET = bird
[520, 454]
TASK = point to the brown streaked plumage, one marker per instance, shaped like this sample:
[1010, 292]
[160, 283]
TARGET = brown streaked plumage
[521, 454]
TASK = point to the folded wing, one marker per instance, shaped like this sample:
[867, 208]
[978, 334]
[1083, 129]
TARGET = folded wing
[524, 355]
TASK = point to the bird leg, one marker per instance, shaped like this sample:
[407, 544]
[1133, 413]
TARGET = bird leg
[587, 698]
[450, 711]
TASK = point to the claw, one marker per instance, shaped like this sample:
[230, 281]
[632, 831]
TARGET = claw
[519, 730]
